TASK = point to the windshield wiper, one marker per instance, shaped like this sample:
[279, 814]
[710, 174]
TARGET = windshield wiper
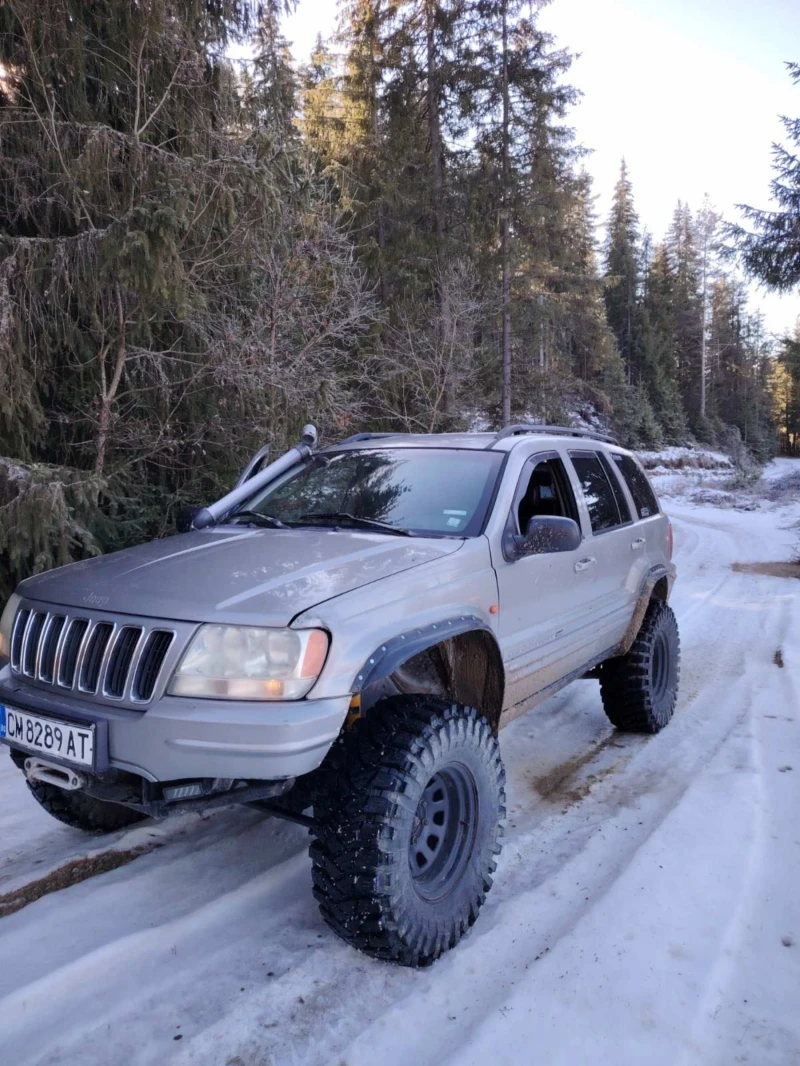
[368, 523]
[257, 518]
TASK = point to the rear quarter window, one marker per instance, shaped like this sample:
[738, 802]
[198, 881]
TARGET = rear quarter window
[640, 488]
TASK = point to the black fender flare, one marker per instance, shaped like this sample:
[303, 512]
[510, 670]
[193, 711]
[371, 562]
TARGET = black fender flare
[392, 653]
[649, 582]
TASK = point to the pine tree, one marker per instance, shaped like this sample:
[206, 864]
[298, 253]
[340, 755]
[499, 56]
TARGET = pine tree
[173, 280]
[682, 256]
[708, 227]
[659, 348]
[739, 396]
[622, 273]
[273, 87]
[770, 248]
[321, 119]
[785, 390]
[517, 102]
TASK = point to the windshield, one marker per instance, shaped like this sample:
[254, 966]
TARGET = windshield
[422, 490]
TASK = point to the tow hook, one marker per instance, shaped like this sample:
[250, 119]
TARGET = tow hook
[52, 774]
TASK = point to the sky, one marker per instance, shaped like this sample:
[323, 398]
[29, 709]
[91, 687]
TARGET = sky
[688, 91]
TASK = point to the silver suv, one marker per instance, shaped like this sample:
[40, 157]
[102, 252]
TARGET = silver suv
[338, 641]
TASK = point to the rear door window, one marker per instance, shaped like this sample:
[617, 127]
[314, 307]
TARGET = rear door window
[616, 488]
[640, 488]
[597, 491]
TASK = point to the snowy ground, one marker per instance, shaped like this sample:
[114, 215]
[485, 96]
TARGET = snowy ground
[646, 908]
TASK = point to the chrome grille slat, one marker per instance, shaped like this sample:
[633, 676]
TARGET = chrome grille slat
[40, 643]
[92, 657]
[26, 636]
[17, 637]
[31, 642]
[87, 636]
[151, 665]
[68, 667]
[119, 660]
[101, 674]
[45, 660]
[60, 649]
[133, 669]
[118, 668]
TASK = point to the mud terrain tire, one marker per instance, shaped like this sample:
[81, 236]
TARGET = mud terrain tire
[639, 690]
[409, 817]
[80, 811]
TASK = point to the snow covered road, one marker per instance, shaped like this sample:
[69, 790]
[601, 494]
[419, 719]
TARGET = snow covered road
[646, 907]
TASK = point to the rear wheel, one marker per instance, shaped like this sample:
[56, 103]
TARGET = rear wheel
[640, 689]
[80, 811]
[409, 819]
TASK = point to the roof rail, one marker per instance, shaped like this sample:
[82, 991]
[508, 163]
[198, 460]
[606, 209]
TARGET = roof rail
[368, 436]
[556, 431]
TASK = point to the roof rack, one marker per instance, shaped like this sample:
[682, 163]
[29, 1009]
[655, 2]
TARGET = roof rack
[368, 436]
[558, 431]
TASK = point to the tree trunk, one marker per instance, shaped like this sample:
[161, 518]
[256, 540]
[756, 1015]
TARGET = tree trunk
[703, 330]
[109, 389]
[504, 235]
[434, 118]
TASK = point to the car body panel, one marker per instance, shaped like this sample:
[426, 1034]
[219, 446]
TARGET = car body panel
[463, 583]
[235, 575]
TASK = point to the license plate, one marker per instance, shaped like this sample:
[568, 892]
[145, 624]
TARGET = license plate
[72, 743]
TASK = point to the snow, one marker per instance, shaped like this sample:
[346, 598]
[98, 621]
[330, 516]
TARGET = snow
[645, 908]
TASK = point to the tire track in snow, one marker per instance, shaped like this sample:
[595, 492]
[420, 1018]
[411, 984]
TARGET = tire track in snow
[187, 968]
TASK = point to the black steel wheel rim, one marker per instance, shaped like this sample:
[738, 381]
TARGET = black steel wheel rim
[443, 832]
[661, 667]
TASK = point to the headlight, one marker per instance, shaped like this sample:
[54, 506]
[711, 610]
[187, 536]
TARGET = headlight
[6, 625]
[250, 663]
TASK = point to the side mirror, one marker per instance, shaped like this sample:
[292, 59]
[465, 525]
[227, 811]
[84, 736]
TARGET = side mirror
[185, 517]
[545, 533]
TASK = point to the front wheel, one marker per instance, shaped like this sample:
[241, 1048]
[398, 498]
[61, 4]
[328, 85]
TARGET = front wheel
[409, 815]
[640, 689]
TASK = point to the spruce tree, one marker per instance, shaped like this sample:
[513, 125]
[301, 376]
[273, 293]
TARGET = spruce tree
[622, 273]
[174, 283]
[659, 348]
[785, 390]
[683, 260]
[770, 240]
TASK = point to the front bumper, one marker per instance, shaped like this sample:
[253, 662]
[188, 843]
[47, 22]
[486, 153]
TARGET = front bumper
[178, 738]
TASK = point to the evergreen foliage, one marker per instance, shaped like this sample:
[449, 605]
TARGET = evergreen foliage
[175, 283]
[771, 247]
[198, 254]
[785, 386]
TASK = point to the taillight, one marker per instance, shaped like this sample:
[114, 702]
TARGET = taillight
[670, 539]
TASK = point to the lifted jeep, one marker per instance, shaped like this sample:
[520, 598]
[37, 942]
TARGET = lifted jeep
[346, 631]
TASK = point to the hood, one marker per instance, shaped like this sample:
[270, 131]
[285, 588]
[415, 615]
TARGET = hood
[235, 575]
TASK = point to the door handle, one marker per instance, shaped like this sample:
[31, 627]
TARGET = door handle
[637, 543]
[584, 564]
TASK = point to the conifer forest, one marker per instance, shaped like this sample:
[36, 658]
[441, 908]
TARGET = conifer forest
[199, 254]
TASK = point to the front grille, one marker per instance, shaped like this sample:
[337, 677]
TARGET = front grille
[96, 657]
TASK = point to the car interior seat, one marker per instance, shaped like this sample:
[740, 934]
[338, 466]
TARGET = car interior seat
[539, 499]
